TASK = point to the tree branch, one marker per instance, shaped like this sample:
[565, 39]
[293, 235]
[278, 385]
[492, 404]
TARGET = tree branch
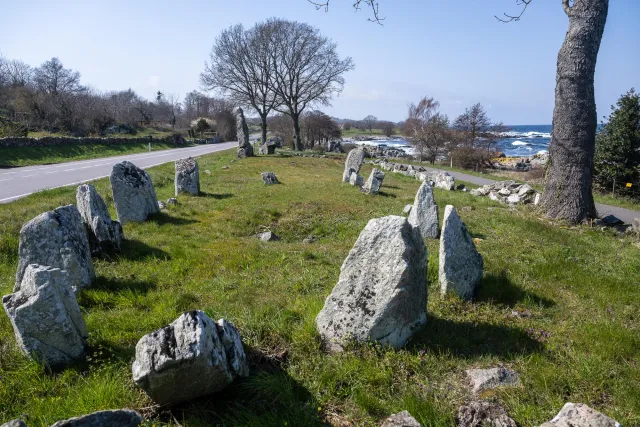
[566, 7]
[373, 5]
[524, 3]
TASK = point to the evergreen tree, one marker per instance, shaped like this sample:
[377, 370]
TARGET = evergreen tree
[617, 154]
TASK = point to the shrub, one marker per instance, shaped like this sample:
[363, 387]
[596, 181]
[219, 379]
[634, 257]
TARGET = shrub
[11, 128]
[472, 157]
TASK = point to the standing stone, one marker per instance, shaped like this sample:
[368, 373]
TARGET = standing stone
[104, 234]
[187, 177]
[354, 161]
[57, 239]
[115, 418]
[461, 265]
[133, 193]
[424, 213]
[244, 147]
[269, 178]
[401, 419]
[484, 379]
[373, 184]
[191, 357]
[46, 318]
[381, 294]
[356, 180]
[580, 415]
[483, 414]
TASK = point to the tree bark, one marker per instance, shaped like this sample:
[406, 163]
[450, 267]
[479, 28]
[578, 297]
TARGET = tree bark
[263, 118]
[567, 193]
[296, 136]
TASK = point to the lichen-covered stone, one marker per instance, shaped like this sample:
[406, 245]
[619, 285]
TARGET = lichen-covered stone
[373, 184]
[269, 178]
[187, 179]
[103, 233]
[191, 357]
[401, 419]
[133, 193]
[46, 318]
[353, 163]
[444, 181]
[57, 238]
[580, 415]
[484, 379]
[424, 212]
[381, 294]
[461, 266]
[483, 414]
[245, 149]
[114, 418]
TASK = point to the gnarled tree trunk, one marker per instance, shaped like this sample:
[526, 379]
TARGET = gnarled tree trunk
[568, 193]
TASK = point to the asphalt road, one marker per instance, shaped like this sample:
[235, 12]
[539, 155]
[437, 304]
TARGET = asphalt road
[626, 215]
[20, 182]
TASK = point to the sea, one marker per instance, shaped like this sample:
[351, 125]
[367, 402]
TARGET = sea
[518, 141]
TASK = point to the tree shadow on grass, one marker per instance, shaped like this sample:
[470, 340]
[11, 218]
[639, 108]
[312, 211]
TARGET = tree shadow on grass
[164, 218]
[134, 250]
[216, 196]
[113, 284]
[385, 194]
[472, 339]
[499, 289]
[268, 397]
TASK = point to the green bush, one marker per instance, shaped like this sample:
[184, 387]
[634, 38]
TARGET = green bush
[11, 128]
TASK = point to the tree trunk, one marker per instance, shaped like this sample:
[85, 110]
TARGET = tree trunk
[567, 193]
[296, 138]
[263, 117]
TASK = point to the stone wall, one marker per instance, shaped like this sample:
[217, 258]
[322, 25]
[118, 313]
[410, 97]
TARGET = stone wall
[48, 141]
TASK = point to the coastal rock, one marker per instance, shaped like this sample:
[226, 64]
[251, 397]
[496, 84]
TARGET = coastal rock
[483, 414]
[57, 239]
[373, 184]
[133, 193]
[356, 180]
[381, 294]
[46, 318]
[187, 178]
[401, 419]
[424, 214]
[461, 266]
[407, 209]
[354, 161]
[242, 130]
[191, 357]
[115, 418]
[580, 415]
[484, 379]
[104, 235]
[445, 181]
[269, 178]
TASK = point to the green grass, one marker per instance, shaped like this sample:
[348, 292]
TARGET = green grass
[141, 132]
[376, 132]
[28, 156]
[581, 344]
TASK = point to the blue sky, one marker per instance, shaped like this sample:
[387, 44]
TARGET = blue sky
[455, 51]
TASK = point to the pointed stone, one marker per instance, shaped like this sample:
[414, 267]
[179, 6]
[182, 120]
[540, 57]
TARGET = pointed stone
[424, 213]
[354, 161]
[103, 233]
[245, 149]
[381, 294]
[187, 179]
[461, 265]
[373, 184]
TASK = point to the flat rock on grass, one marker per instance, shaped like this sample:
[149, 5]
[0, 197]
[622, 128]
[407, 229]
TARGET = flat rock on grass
[46, 318]
[401, 419]
[484, 379]
[133, 193]
[115, 418]
[187, 179]
[104, 234]
[268, 236]
[381, 294]
[14, 423]
[269, 178]
[580, 415]
[424, 213]
[191, 357]
[483, 414]
[461, 266]
[57, 238]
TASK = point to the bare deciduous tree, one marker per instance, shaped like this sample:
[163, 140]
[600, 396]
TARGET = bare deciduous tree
[427, 129]
[370, 122]
[307, 69]
[52, 78]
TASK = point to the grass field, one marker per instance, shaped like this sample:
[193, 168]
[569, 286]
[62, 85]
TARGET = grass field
[28, 156]
[580, 344]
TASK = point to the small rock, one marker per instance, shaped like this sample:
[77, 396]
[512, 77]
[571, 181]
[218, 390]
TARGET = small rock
[460, 187]
[424, 214]
[172, 201]
[484, 379]
[269, 178]
[14, 423]
[46, 318]
[373, 184]
[104, 235]
[461, 266]
[513, 199]
[536, 200]
[310, 239]
[187, 178]
[161, 204]
[268, 236]
[207, 171]
[401, 419]
[191, 357]
[520, 314]
[525, 189]
[356, 180]
[580, 415]
[225, 167]
[466, 208]
[115, 418]
[483, 414]
[493, 196]
[445, 181]
[504, 192]
[133, 194]
[381, 294]
[407, 209]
